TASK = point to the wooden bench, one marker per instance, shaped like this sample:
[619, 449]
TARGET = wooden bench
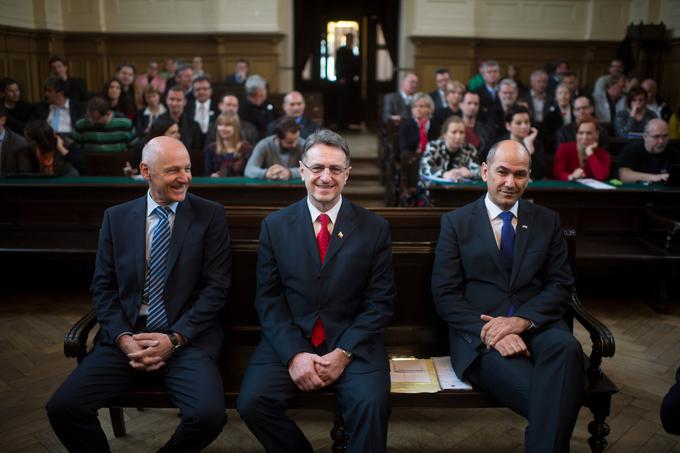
[415, 330]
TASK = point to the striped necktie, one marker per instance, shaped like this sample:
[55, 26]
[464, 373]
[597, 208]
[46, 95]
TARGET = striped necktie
[160, 244]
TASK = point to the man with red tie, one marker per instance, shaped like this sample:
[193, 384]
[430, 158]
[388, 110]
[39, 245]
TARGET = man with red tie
[325, 292]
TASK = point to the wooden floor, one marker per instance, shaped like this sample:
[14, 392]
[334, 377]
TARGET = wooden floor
[32, 365]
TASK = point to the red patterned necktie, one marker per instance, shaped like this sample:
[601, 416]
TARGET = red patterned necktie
[423, 135]
[322, 240]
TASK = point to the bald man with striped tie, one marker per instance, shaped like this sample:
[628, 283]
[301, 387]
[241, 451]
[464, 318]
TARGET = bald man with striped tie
[162, 275]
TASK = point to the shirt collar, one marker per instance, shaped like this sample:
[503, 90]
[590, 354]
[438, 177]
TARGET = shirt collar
[2, 135]
[64, 107]
[332, 212]
[151, 205]
[206, 103]
[494, 210]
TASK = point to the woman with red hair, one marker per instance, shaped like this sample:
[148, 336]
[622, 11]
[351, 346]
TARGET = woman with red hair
[582, 158]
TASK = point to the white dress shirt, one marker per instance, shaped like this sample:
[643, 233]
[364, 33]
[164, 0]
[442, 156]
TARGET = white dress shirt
[496, 222]
[62, 122]
[202, 115]
[332, 213]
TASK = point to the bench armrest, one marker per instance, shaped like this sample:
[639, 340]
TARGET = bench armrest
[75, 341]
[671, 226]
[600, 335]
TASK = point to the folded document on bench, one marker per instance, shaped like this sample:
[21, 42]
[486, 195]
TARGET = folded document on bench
[412, 375]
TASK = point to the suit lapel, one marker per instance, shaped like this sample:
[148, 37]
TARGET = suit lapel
[183, 219]
[138, 236]
[485, 233]
[525, 218]
[344, 225]
[302, 221]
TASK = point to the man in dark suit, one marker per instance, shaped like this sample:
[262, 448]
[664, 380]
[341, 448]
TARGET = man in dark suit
[162, 275]
[14, 151]
[441, 77]
[502, 282]
[60, 111]
[18, 110]
[294, 106]
[397, 106]
[75, 88]
[189, 130]
[488, 93]
[202, 109]
[325, 292]
[670, 407]
[240, 73]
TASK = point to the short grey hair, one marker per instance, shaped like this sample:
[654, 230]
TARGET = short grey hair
[253, 83]
[326, 137]
[492, 152]
[538, 72]
[423, 97]
[508, 82]
[490, 64]
[181, 68]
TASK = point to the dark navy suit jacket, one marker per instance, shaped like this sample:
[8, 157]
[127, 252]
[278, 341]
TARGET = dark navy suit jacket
[353, 291]
[198, 277]
[469, 279]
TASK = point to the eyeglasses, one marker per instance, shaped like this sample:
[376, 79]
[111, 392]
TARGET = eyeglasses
[318, 169]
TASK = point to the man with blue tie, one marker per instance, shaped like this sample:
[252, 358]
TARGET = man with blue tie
[502, 281]
[162, 275]
[325, 292]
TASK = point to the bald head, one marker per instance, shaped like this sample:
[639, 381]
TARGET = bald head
[506, 172]
[508, 146]
[167, 168]
[656, 136]
[294, 104]
[162, 146]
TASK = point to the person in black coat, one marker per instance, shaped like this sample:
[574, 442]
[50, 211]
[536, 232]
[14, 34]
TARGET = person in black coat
[409, 130]
[18, 110]
[670, 408]
[55, 103]
[75, 88]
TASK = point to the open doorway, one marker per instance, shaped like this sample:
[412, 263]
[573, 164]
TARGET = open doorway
[348, 55]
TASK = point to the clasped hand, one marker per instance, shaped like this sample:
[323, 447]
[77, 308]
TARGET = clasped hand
[146, 351]
[311, 371]
[503, 334]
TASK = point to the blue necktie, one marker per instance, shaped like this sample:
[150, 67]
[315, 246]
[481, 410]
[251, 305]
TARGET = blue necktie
[156, 319]
[507, 246]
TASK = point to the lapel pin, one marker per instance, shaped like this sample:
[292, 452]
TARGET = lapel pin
[525, 227]
[340, 235]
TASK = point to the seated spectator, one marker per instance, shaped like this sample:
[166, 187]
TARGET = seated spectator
[202, 109]
[278, 156]
[674, 124]
[112, 92]
[611, 101]
[126, 75]
[197, 68]
[397, 106]
[453, 95]
[518, 125]
[229, 103]
[18, 110]
[615, 69]
[559, 113]
[228, 154]
[152, 109]
[570, 79]
[442, 77]
[649, 160]
[60, 112]
[184, 76]
[51, 151]
[655, 102]
[476, 80]
[240, 74]
[512, 73]
[450, 157]
[162, 126]
[169, 71]
[101, 131]
[559, 69]
[14, 151]
[150, 78]
[74, 88]
[488, 93]
[257, 109]
[582, 108]
[477, 133]
[189, 130]
[538, 96]
[670, 408]
[421, 128]
[631, 123]
[294, 106]
[508, 94]
[583, 158]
